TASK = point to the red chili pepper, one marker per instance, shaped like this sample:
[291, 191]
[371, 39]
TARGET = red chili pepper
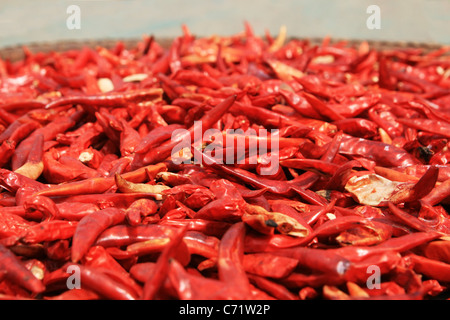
[123, 235]
[139, 209]
[431, 268]
[153, 284]
[79, 294]
[42, 204]
[49, 131]
[98, 257]
[208, 227]
[107, 100]
[268, 265]
[230, 268]
[317, 259]
[437, 250]
[90, 227]
[16, 272]
[99, 282]
[357, 127]
[50, 231]
[99, 185]
[383, 154]
[193, 287]
[274, 289]
[430, 125]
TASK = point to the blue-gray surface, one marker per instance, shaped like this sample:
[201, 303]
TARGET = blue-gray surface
[25, 21]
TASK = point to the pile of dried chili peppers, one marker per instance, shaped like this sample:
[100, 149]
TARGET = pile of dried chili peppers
[94, 207]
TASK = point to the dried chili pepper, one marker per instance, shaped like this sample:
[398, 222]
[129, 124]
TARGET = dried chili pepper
[17, 273]
[89, 175]
[90, 227]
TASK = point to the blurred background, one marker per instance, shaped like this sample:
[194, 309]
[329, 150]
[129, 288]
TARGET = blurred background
[30, 21]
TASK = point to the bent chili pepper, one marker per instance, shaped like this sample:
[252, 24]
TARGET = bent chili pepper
[153, 284]
[230, 259]
[17, 273]
[90, 227]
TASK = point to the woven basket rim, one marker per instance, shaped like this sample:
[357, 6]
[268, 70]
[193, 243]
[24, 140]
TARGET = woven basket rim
[15, 52]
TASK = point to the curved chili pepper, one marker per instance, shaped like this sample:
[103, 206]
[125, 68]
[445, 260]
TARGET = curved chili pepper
[274, 289]
[153, 284]
[357, 127]
[99, 185]
[148, 247]
[156, 136]
[230, 268]
[79, 294]
[22, 131]
[99, 282]
[108, 99]
[23, 104]
[193, 287]
[17, 273]
[396, 244]
[34, 165]
[382, 115]
[434, 269]
[314, 165]
[322, 108]
[430, 125]
[268, 265]
[90, 227]
[123, 235]
[49, 131]
[383, 154]
[437, 250]
[13, 226]
[408, 219]
[50, 231]
[98, 257]
[197, 78]
[317, 259]
[300, 104]
[42, 204]
[208, 227]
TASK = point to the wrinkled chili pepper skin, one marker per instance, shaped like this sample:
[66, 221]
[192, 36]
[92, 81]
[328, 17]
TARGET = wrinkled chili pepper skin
[107, 287]
[89, 180]
[107, 100]
[91, 226]
[153, 284]
[17, 273]
[229, 260]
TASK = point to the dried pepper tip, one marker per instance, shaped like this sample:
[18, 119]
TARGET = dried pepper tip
[130, 187]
